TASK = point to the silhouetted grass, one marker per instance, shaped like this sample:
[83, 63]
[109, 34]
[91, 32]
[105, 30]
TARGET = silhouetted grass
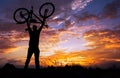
[76, 71]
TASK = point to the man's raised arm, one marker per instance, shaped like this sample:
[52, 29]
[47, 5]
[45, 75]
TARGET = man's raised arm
[40, 28]
[28, 26]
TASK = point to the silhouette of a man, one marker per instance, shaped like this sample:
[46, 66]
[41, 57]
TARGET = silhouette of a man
[34, 34]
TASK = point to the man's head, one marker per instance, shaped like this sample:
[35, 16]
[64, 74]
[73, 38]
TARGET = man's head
[34, 27]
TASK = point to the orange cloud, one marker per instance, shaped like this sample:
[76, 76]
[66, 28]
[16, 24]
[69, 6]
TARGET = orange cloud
[104, 51]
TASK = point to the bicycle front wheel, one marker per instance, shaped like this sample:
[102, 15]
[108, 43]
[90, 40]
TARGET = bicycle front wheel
[46, 10]
[21, 15]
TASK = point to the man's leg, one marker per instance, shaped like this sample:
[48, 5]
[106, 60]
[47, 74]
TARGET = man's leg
[37, 58]
[28, 58]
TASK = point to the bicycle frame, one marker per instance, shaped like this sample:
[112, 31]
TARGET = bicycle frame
[32, 13]
[22, 15]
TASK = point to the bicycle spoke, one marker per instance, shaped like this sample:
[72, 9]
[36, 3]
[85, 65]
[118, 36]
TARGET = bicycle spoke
[50, 10]
[20, 15]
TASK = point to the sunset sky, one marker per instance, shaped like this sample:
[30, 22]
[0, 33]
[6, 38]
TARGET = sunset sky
[84, 32]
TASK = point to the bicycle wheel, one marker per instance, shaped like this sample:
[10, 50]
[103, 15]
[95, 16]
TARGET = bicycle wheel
[21, 15]
[46, 10]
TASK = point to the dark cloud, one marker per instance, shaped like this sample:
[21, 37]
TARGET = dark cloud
[5, 44]
[2, 61]
[7, 26]
[49, 32]
[13, 61]
[108, 64]
[111, 10]
[117, 27]
[8, 37]
[87, 16]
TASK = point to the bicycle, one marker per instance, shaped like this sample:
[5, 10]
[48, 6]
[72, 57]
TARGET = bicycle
[21, 15]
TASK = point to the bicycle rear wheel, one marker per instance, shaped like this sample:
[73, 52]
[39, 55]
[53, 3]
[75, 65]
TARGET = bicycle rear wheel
[21, 15]
[46, 10]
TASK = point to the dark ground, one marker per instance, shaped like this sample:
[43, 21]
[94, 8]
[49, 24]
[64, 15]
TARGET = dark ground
[10, 71]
